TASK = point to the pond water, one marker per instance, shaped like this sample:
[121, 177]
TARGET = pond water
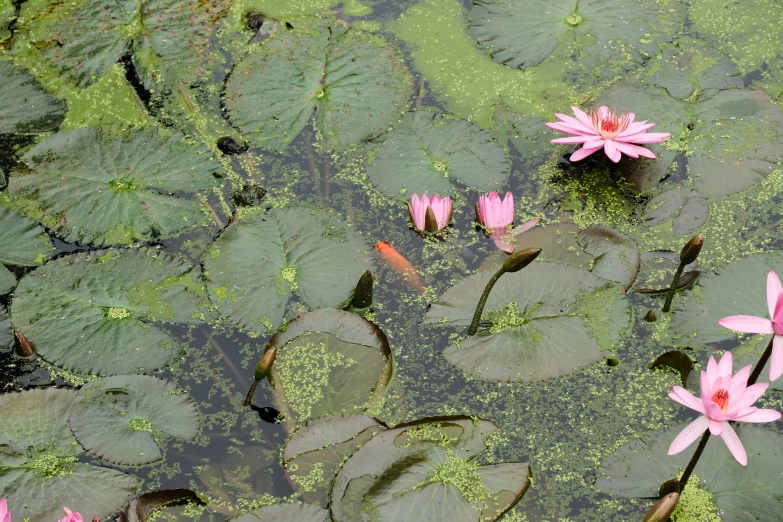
[188, 185]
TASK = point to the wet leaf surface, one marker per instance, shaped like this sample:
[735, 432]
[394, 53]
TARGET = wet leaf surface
[6, 332]
[687, 209]
[677, 361]
[287, 512]
[615, 256]
[142, 508]
[25, 107]
[657, 272]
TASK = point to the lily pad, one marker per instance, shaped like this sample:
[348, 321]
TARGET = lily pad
[146, 505]
[84, 39]
[427, 470]
[287, 512]
[657, 272]
[315, 452]
[25, 107]
[355, 84]
[546, 321]
[22, 243]
[40, 461]
[687, 209]
[616, 257]
[117, 417]
[101, 311]
[741, 493]
[258, 263]
[329, 362]
[7, 16]
[558, 244]
[88, 189]
[426, 150]
[523, 34]
[738, 288]
[687, 67]
[738, 141]
[6, 332]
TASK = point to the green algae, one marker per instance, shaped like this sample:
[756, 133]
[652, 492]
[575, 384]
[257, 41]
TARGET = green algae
[48, 465]
[140, 425]
[696, 504]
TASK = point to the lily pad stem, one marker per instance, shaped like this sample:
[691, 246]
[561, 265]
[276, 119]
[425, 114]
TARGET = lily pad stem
[483, 301]
[250, 392]
[688, 255]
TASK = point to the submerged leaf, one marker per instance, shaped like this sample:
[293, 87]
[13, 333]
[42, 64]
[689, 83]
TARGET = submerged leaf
[677, 361]
[616, 257]
[657, 272]
[143, 507]
[546, 321]
[427, 150]
[22, 243]
[750, 492]
[89, 189]
[687, 209]
[329, 362]
[40, 461]
[427, 470]
[24, 106]
[258, 263]
[354, 83]
[101, 311]
[117, 417]
[287, 512]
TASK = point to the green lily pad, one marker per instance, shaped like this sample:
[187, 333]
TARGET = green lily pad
[523, 34]
[545, 321]
[146, 506]
[100, 311]
[25, 107]
[558, 244]
[738, 141]
[6, 332]
[22, 243]
[687, 67]
[117, 417]
[427, 470]
[750, 492]
[88, 189]
[355, 84]
[287, 512]
[657, 272]
[258, 263]
[40, 461]
[329, 362]
[316, 451]
[7, 16]
[427, 150]
[84, 39]
[687, 209]
[616, 257]
[738, 288]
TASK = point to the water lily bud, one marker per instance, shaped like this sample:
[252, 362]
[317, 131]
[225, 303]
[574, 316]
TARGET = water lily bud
[264, 366]
[362, 294]
[663, 509]
[519, 260]
[691, 250]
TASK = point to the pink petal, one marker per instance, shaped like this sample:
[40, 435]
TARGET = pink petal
[725, 367]
[647, 153]
[774, 289]
[636, 128]
[714, 413]
[611, 151]
[705, 384]
[712, 371]
[645, 137]
[716, 428]
[631, 117]
[747, 324]
[686, 398]
[502, 245]
[776, 359]
[734, 444]
[567, 129]
[575, 124]
[583, 153]
[604, 112]
[777, 315]
[627, 149]
[507, 210]
[759, 416]
[524, 227]
[689, 434]
[584, 118]
[594, 143]
[739, 382]
[573, 139]
[747, 397]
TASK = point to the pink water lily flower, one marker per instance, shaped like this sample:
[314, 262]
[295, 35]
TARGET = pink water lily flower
[762, 325]
[70, 516]
[5, 515]
[724, 398]
[441, 209]
[603, 129]
[497, 215]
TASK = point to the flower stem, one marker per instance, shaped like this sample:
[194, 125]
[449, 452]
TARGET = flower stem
[694, 459]
[483, 301]
[676, 281]
[754, 375]
[250, 393]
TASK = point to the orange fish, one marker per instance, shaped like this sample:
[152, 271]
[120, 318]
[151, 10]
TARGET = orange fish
[400, 265]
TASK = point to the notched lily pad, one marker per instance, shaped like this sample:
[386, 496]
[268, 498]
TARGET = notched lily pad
[427, 470]
[40, 461]
[25, 107]
[615, 256]
[426, 150]
[84, 39]
[329, 362]
[258, 263]
[543, 322]
[687, 209]
[750, 492]
[355, 85]
[315, 452]
[144, 507]
[101, 311]
[22, 243]
[657, 272]
[6, 332]
[686, 67]
[558, 244]
[89, 189]
[287, 512]
[677, 361]
[116, 418]
[738, 288]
